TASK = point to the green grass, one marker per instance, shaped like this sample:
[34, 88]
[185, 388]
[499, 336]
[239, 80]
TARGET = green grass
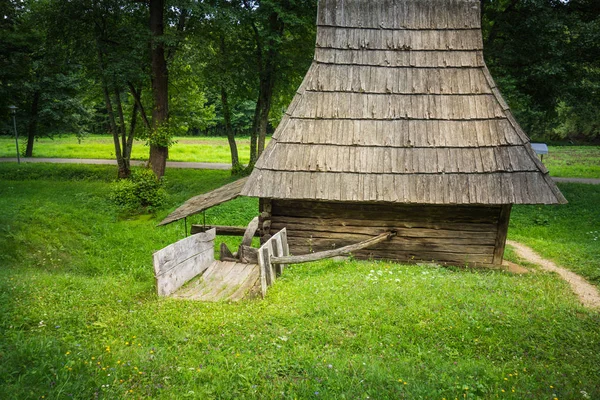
[573, 161]
[208, 149]
[568, 234]
[79, 317]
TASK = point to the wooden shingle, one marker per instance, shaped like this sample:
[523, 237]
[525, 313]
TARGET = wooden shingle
[399, 106]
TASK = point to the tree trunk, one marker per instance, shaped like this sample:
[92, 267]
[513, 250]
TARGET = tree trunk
[235, 161]
[32, 126]
[124, 166]
[160, 88]
[267, 66]
[137, 97]
[133, 123]
[111, 117]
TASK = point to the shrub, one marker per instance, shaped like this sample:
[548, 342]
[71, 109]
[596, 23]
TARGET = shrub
[142, 191]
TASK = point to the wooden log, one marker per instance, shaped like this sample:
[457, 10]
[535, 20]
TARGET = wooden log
[333, 253]
[222, 230]
[333, 231]
[397, 243]
[250, 232]
[383, 223]
[399, 213]
[503, 221]
[460, 259]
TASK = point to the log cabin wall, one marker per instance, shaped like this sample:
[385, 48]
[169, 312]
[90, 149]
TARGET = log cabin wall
[456, 235]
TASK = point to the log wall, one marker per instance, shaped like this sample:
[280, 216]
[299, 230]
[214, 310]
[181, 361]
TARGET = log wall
[459, 235]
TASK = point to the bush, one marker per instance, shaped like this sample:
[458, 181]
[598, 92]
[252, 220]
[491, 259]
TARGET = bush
[142, 191]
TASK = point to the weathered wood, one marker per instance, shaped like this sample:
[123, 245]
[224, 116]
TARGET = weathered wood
[503, 221]
[250, 232]
[223, 281]
[299, 235]
[200, 203]
[411, 226]
[333, 253]
[269, 270]
[178, 263]
[248, 255]
[389, 212]
[423, 255]
[225, 253]
[397, 243]
[309, 226]
[399, 107]
[221, 230]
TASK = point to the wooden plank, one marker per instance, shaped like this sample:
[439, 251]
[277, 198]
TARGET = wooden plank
[223, 281]
[200, 203]
[423, 224]
[361, 211]
[222, 230]
[269, 270]
[307, 227]
[250, 232]
[404, 244]
[171, 280]
[333, 253]
[177, 253]
[460, 259]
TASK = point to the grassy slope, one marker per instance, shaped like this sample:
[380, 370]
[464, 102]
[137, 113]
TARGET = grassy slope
[80, 318]
[562, 161]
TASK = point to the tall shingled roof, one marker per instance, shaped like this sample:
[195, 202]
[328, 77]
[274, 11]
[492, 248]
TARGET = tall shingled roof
[399, 106]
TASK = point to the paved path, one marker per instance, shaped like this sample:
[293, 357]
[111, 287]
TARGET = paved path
[170, 164]
[197, 165]
[578, 180]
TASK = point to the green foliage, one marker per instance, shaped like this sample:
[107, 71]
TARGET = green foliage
[142, 191]
[545, 57]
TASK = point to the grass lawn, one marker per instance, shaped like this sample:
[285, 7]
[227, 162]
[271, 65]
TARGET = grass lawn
[79, 317]
[206, 149]
[573, 161]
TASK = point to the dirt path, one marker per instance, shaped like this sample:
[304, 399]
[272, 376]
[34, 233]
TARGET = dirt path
[588, 294]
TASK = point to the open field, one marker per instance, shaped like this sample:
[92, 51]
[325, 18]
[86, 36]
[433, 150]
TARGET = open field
[79, 317]
[562, 161]
[206, 149]
[573, 161]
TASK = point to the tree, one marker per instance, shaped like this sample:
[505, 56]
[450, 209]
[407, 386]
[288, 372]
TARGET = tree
[41, 77]
[159, 137]
[544, 55]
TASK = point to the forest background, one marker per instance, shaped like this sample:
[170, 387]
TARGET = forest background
[155, 69]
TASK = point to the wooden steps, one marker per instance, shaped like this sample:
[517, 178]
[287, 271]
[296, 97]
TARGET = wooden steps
[223, 281]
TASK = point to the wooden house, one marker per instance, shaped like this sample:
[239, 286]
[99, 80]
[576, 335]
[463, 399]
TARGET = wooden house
[399, 125]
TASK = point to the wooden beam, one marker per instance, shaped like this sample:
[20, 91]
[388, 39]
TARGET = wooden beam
[333, 253]
[503, 220]
[222, 230]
